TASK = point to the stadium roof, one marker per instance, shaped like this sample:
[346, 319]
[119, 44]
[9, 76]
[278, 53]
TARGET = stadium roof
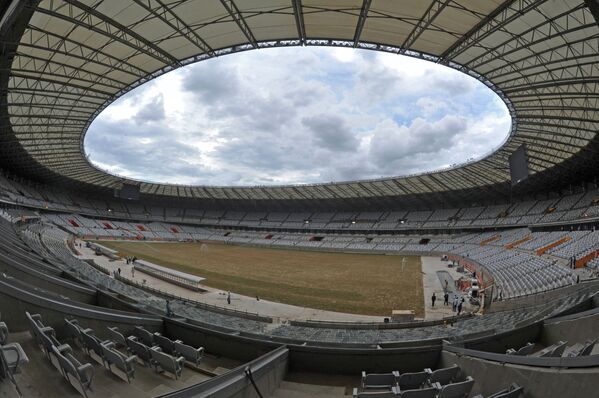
[68, 59]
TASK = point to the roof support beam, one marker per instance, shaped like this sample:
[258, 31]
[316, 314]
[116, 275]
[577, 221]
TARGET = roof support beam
[433, 10]
[361, 21]
[504, 14]
[80, 14]
[299, 20]
[234, 12]
[166, 15]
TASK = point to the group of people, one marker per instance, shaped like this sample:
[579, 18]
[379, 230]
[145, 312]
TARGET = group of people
[130, 259]
[458, 302]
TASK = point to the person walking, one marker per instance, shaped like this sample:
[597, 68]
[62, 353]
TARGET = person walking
[455, 303]
[228, 297]
[460, 308]
[434, 298]
[132, 272]
[446, 299]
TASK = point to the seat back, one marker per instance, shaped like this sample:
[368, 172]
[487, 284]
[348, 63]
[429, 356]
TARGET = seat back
[379, 380]
[445, 375]
[117, 336]
[146, 337]
[430, 392]
[73, 329]
[411, 381]
[556, 350]
[375, 394]
[457, 390]
[3, 333]
[526, 350]
[91, 342]
[65, 364]
[191, 354]
[588, 348]
[165, 343]
[139, 349]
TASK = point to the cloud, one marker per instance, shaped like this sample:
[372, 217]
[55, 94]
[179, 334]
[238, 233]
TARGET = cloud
[152, 111]
[331, 132]
[297, 115]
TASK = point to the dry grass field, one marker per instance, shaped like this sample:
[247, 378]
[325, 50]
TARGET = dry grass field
[367, 284]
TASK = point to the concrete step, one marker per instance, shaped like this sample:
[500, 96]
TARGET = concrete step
[300, 390]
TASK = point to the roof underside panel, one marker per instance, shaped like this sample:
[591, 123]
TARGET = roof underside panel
[75, 57]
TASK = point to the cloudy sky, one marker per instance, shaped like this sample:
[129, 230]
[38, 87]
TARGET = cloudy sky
[297, 115]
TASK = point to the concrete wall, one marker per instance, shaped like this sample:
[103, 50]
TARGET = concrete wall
[218, 342]
[499, 343]
[576, 330]
[354, 361]
[538, 382]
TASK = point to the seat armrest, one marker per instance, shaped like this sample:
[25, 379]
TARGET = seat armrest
[64, 348]
[355, 392]
[395, 373]
[87, 330]
[429, 371]
[437, 386]
[48, 330]
[180, 360]
[131, 359]
[179, 341]
[107, 344]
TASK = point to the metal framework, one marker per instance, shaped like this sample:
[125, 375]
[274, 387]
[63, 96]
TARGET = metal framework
[64, 61]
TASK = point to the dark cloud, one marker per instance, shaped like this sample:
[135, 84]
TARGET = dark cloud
[152, 111]
[331, 132]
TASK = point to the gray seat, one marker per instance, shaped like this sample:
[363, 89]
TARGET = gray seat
[13, 355]
[146, 337]
[430, 392]
[443, 376]
[74, 330]
[526, 350]
[92, 345]
[394, 392]
[457, 390]
[115, 358]
[191, 354]
[513, 391]
[555, 350]
[78, 374]
[412, 381]
[165, 343]
[139, 349]
[379, 380]
[585, 349]
[117, 336]
[166, 362]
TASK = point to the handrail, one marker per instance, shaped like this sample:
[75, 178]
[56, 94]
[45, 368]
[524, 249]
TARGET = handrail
[235, 378]
[545, 362]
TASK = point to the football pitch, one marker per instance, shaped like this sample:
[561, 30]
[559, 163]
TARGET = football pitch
[368, 284]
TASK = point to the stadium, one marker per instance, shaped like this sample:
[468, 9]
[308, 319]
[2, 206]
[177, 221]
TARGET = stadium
[117, 287]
